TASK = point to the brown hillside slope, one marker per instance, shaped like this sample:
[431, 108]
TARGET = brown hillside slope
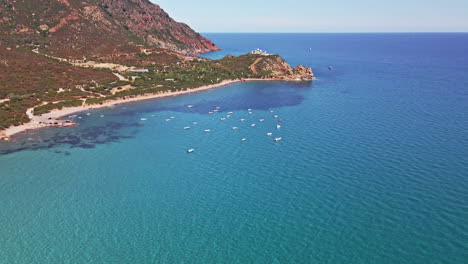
[77, 28]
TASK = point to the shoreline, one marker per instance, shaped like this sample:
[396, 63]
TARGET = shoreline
[37, 122]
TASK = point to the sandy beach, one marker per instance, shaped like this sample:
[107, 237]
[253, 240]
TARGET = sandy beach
[44, 120]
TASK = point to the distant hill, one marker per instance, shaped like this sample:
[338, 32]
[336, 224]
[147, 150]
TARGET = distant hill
[95, 28]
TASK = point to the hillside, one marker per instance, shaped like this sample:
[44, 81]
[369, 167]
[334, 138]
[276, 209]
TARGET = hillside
[95, 28]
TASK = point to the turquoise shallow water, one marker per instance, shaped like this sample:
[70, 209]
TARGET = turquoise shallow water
[372, 167]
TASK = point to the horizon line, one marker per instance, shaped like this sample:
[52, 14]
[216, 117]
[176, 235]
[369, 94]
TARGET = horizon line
[338, 32]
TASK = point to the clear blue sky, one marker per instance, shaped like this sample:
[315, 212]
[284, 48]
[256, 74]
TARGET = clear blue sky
[320, 16]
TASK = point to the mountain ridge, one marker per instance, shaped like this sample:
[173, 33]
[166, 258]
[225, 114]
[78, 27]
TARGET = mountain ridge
[77, 28]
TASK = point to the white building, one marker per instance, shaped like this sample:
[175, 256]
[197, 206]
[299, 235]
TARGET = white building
[259, 52]
[139, 70]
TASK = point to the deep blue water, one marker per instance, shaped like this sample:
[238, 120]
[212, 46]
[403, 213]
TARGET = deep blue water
[372, 168]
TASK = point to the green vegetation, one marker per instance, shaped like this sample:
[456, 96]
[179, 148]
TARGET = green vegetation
[13, 113]
[63, 85]
[23, 74]
[43, 109]
[182, 76]
[28, 79]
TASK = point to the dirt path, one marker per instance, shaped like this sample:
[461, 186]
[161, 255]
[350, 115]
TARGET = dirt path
[253, 67]
[120, 76]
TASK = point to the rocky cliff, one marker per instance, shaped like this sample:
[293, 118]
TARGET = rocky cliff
[275, 67]
[77, 28]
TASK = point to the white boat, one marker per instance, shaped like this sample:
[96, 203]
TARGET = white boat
[210, 113]
[223, 118]
[242, 120]
[167, 120]
[207, 130]
[218, 107]
[278, 139]
[250, 109]
[235, 128]
[215, 110]
[88, 113]
[269, 134]
[172, 117]
[190, 151]
[195, 123]
[228, 116]
[102, 115]
[230, 113]
[272, 111]
[244, 139]
[185, 128]
[278, 126]
[276, 116]
[143, 119]
[252, 125]
[261, 120]
[190, 106]
[250, 113]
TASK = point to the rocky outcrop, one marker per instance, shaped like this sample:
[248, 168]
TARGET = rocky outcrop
[275, 67]
[303, 73]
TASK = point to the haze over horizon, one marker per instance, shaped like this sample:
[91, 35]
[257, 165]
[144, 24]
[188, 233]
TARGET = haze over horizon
[317, 16]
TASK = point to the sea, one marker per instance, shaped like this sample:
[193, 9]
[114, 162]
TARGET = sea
[372, 165]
